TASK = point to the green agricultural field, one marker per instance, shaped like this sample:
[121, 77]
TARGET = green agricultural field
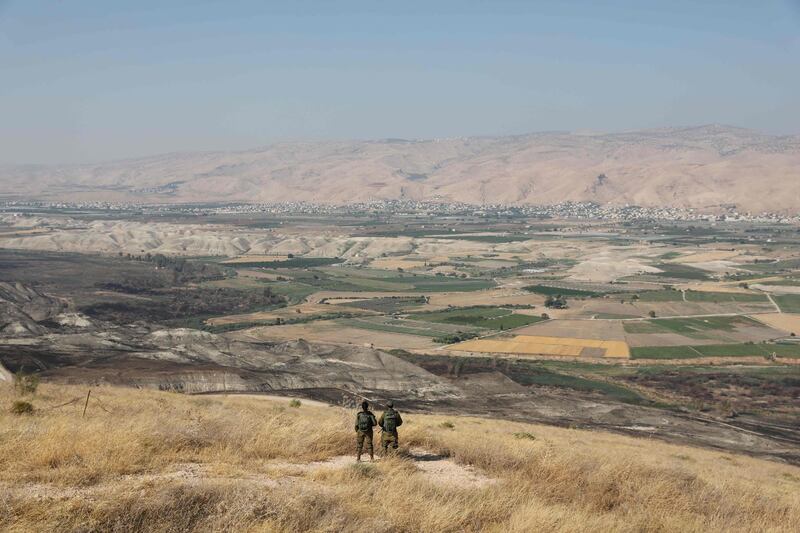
[785, 282]
[775, 266]
[493, 239]
[724, 297]
[388, 304]
[715, 350]
[674, 270]
[660, 296]
[553, 291]
[484, 317]
[409, 327]
[295, 262]
[691, 327]
[383, 280]
[641, 326]
[789, 303]
[294, 292]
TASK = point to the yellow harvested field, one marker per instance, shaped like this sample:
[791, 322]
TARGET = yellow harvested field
[602, 330]
[784, 321]
[538, 345]
[498, 296]
[710, 255]
[714, 287]
[393, 263]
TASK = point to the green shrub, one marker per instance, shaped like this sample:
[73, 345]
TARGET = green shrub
[447, 425]
[295, 403]
[525, 435]
[21, 407]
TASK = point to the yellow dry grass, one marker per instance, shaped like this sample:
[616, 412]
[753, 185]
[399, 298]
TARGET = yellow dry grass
[784, 321]
[540, 345]
[155, 461]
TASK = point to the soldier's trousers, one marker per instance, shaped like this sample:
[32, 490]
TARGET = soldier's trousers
[362, 436]
[389, 438]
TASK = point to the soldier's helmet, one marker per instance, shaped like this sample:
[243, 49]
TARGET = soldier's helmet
[390, 403]
[365, 405]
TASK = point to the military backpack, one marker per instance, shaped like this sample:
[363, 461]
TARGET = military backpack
[364, 421]
[390, 420]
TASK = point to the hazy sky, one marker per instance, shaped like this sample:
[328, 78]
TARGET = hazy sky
[87, 80]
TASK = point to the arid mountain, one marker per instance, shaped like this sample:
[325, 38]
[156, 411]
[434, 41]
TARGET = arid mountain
[703, 167]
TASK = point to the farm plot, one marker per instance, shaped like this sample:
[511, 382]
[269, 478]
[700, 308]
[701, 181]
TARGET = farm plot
[484, 317]
[605, 330]
[715, 350]
[289, 262]
[384, 304]
[334, 332]
[395, 263]
[789, 303]
[679, 271]
[382, 280]
[493, 297]
[304, 312]
[408, 327]
[553, 290]
[681, 308]
[521, 345]
[713, 328]
[784, 321]
[722, 297]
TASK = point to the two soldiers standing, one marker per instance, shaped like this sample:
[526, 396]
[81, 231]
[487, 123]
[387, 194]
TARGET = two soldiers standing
[389, 421]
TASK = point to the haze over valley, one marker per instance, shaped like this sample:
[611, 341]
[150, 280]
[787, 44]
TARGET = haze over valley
[705, 167]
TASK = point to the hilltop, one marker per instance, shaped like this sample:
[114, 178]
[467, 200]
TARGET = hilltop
[147, 460]
[701, 167]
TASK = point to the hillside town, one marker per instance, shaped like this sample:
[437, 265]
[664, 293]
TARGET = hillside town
[563, 210]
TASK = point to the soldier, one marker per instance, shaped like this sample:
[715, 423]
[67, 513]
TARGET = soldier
[365, 421]
[389, 421]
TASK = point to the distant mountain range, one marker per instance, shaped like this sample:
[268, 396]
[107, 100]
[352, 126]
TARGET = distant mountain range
[703, 167]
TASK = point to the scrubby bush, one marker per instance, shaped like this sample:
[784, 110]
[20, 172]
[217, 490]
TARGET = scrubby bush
[21, 407]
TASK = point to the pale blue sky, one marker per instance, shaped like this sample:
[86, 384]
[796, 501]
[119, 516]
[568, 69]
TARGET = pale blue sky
[103, 79]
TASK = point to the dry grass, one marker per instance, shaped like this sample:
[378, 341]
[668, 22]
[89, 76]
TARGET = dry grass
[144, 460]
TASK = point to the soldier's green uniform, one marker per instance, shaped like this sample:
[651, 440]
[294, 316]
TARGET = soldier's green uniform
[365, 421]
[389, 421]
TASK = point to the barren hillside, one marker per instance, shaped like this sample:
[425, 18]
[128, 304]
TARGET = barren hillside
[702, 167]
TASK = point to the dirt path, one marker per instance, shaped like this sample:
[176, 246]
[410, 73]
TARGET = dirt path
[777, 307]
[435, 468]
